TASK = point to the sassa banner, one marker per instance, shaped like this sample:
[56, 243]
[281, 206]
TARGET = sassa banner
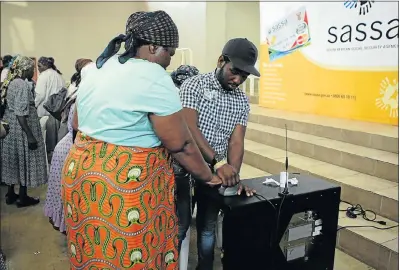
[349, 69]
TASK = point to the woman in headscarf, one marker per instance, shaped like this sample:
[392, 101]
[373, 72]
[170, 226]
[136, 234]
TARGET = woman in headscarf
[49, 82]
[53, 208]
[81, 65]
[118, 184]
[182, 73]
[23, 154]
[6, 62]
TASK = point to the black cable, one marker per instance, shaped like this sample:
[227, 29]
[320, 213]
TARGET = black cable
[356, 210]
[378, 228]
[277, 216]
[271, 236]
[258, 196]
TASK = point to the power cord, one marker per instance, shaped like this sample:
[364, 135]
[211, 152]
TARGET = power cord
[353, 211]
[277, 216]
[272, 236]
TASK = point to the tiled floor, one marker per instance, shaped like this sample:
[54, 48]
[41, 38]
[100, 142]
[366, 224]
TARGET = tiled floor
[30, 243]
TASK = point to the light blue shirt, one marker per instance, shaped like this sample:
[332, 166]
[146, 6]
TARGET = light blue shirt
[114, 102]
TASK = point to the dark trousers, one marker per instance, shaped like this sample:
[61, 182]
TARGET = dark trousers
[206, 219]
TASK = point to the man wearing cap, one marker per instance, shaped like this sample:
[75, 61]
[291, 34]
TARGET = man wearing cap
[216, 112]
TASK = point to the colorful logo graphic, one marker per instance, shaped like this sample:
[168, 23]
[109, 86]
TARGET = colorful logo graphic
[389, 97]
[272, 41]
[363, 6]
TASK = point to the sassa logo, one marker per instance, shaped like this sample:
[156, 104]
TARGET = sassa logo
[363, 6]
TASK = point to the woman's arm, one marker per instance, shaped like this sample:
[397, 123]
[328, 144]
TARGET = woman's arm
[75, 124]
[175, 136]
[21, 107]
[25, 127]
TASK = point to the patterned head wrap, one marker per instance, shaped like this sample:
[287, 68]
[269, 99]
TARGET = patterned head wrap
[18, 65]
[156, 28]
[183, 73]
[46, 61]
[79, 65]
[49, 62]
[7, 60]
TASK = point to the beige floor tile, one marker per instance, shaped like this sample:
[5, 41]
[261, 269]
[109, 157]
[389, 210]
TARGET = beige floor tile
[324, 142]
[248, 171]
[392, 244]
[332, 172]
[346, 262]
[264, 150]
[301, 162]
[375, 128]
[281, 132]
[368, 182]
[378, 236]
[392, 192]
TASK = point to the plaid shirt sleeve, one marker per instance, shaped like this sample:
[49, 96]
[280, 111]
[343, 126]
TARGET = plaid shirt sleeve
[244, 117]
[190, 93]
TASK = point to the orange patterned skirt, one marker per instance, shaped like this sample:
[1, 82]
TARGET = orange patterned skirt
[119, 207]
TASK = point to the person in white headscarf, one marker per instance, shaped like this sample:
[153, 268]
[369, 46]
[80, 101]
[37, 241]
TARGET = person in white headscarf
[50, 81]
[23, 157]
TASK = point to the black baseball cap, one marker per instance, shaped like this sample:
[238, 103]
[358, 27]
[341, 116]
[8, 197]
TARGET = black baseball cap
[243, 54]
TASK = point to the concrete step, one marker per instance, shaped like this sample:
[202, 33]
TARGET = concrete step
[377, 248]
[357, 247]
[371, 135]
[371, 192]
[370, 161]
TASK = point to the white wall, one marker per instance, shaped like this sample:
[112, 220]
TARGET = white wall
[71, 30]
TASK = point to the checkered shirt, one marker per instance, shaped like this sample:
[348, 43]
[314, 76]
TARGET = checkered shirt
[219, 111]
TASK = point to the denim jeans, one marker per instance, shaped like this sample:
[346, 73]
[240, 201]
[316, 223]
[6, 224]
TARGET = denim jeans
[183, 202]
[206, 218]
[206, 221]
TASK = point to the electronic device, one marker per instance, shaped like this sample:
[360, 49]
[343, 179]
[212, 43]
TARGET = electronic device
[300, 236]
[269, 231]
[228, 191]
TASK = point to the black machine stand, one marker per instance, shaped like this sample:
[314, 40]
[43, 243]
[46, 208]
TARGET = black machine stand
[302, 237]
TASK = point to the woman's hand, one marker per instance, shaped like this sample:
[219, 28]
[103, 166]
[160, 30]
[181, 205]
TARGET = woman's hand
[215, 181]
[32, 143]
[4, 129]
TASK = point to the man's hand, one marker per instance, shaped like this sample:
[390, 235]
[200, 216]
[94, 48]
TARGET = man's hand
[249, 191]
[228, 175]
